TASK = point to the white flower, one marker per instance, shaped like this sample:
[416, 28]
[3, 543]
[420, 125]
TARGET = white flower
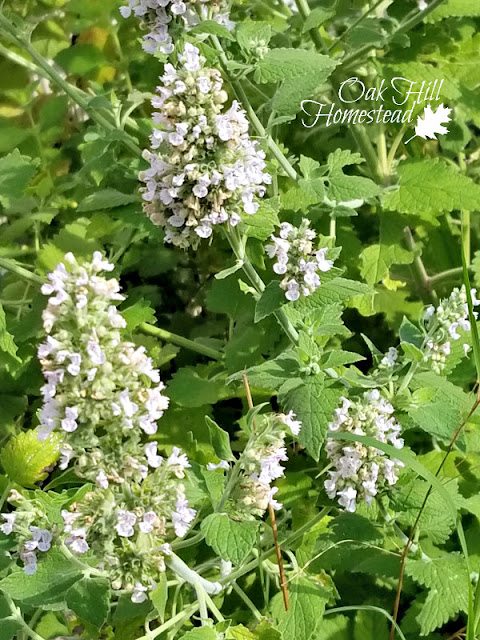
[69, 423]
[101, 480]
[77, 541]
[146, 525]
[29, 562]
[125, 523]
[390, 358]
[289, 419]
[347, 499]
[223, 464]
[183, 514]
[178, 460]
[139, 593]
[41, 539]
[8, 526]
[153, 459]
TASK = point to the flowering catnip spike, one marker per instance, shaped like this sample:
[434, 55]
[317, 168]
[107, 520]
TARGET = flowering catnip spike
[389, 359]
[443, 324]
[101, 391]
[204, 168]
[33, 532]
[165, 19]
[261, 466]
[361, 472]
[297, 260]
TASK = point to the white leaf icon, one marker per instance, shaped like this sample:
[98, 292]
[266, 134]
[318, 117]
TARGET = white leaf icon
[431, 123]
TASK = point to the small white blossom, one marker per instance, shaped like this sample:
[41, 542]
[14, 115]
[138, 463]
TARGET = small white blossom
[289, 419]
[179, 462]
[183, 514]
[9, 523]
[297, 259]
[139, 593]
[125, 523]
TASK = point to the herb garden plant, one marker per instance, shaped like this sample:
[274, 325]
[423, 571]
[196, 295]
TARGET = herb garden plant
[239, 355]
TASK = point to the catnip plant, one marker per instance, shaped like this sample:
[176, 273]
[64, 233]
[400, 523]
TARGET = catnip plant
[239, 353]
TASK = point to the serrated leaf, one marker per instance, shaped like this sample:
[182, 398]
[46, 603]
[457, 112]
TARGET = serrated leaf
[446, 578]
[279, 64]
[137, 313]
[188, 389]
[343, 188]
[428, 188]
[106, 199]
[232, 540]
[213, 28]
[307, 604]
[16, 171]
[339, 358]
[80, 58]
[201, 633]
[317, 17]
[263, 223]
[159, 596]
[314, 404]
[55, 574]
[25, 459]
[252, 34]
[271, 300]
[89, 599]
[7, 343]
[220, 440]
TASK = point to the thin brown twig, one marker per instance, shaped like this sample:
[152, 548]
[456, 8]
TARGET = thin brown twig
[417, 519]
[457, 634]
[278, 551]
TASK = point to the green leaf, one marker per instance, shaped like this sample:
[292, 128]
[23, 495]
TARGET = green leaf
[314, 404]
[80, 59]
[7, 344]
[307, 604]
[335, 628]
[317, 17]
[369, 625]
[263, 223]
[252, 34]
[188, 389]
[271, 300]
[446, 578]
[455, 9]
[16, 171]
[279, 64]
[106, 199]
[8, 626]
[220, 440]
[137, 313]
[230, 539]
[159, 596]
[330, 293]
[54, 576]
[26, 460]
[343, 188]
[213, 28]
[428, 188]
[89, 599]
[410, 333]
[337, 358]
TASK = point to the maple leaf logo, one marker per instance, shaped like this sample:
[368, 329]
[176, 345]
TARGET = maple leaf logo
[432, 123]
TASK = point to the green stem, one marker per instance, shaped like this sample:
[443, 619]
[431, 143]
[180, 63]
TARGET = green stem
[17, 615]
[183, 615]
[246, 600]
[180, 341]
[214, 609]
[241, 571]
[304, 11]
[202, 604]
[148, 329]
[5, 493]
[178, 566]
[10, 265]
[422, 277]
[446, 275]
[355, 24]
[243, 98]
[23, 42]
[257, 282]
[360, 607]
[416, 18]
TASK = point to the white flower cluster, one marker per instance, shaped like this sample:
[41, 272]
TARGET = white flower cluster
[104, 395]
[204, 170]
[31, 539]
[163, 17]
[389, 359]
[360, 472]
[297, 260]
[99, 388]
[261, 465]
[443, 324]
